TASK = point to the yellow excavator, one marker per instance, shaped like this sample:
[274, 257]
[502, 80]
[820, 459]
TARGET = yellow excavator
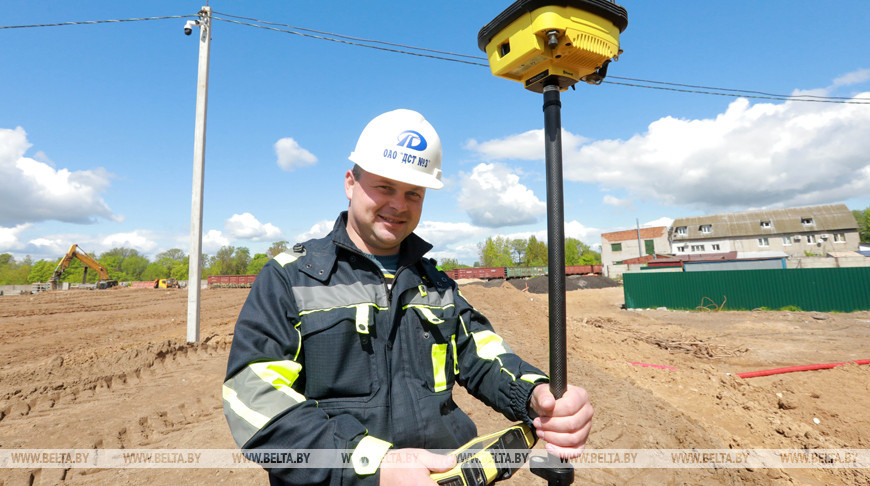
[75, 252]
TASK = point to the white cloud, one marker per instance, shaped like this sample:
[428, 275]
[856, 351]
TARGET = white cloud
[32, 191]
[291, 155]
[523, 146]
[10, 237]
[213, 240]
[615, 201]
[493, 196]
[663, 221]
[318, 230]
[787, 154]
[245, 226]
[443, 234]
[855, 77]
[137, 240]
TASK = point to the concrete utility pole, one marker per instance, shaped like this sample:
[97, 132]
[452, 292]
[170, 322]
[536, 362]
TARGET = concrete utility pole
[195, 270]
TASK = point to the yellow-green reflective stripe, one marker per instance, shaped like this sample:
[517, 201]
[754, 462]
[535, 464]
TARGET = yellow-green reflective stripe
[532, 378]
[281, 375]
[455, 358]
[439, 363]
[489, 344]
[256, 419]
[422, 289]
[354, 306]
[368, 454]
[285, 258]
[362, 318]
[427, 313]
[464, 329]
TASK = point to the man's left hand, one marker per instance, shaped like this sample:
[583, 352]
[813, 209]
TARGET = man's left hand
[564, 423]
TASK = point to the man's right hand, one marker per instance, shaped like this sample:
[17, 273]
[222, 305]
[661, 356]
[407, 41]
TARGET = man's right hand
[413, 467]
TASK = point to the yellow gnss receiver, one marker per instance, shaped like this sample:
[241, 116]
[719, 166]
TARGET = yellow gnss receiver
[489, 458]
[573, 40]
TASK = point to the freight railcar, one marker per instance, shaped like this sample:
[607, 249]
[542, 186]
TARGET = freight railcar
[230, 281]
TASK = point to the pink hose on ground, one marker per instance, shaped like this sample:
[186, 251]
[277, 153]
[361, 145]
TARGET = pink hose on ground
[790, 369]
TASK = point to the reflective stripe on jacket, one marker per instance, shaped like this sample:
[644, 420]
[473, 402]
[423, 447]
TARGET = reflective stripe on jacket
[325, 356]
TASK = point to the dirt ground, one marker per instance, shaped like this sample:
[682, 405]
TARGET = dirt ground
[111, 369]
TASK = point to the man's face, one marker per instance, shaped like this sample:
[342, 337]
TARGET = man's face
[382, 212]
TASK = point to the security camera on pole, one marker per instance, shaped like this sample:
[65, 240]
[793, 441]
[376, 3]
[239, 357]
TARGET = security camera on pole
[195, 269]
[549, 45]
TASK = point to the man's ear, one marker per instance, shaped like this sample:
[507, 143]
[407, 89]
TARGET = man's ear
[349, 183]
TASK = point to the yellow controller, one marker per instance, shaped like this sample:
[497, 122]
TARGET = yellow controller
[489, 458]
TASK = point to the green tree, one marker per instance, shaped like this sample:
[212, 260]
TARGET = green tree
[536, 255]
[154, 271]
[133, 266]
[277, 247]
[450, 264]
[863, 220]
[41, 271]
[579, 253]
[495, 252]
[519, 247]
[12, 272]
[257, 263]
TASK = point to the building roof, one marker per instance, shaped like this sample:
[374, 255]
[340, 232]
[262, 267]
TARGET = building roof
[631, 235]
[826, 217]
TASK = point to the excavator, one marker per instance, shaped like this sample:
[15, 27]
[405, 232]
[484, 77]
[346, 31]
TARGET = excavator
[75, 252]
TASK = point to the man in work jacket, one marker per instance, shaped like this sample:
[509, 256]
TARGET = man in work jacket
[353, 342]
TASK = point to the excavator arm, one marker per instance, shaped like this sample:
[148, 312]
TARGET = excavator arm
[75, 253]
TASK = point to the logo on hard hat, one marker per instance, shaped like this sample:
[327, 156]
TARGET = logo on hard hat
[412, 140]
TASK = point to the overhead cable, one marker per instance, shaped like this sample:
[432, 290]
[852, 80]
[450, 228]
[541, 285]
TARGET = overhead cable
[469, 59]
[83, 22]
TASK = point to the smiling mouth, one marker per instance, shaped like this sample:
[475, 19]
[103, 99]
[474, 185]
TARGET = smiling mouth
[389, 220]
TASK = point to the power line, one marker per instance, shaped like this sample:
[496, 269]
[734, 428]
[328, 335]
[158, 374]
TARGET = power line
[698, 89]
[399, 51]
[84, 22]
[360, 39]
[408, 50]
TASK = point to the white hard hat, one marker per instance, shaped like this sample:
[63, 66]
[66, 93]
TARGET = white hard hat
[401, 145]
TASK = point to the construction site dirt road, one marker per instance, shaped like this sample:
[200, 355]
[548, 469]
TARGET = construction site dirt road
[111, 370]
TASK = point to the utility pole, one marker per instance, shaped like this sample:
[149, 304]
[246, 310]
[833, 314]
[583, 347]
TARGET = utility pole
[195, 269]
[639, 246]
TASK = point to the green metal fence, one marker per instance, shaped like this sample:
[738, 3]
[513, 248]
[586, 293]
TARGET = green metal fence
[810, 289]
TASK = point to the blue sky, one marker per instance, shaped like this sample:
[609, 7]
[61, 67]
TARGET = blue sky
[97, 121]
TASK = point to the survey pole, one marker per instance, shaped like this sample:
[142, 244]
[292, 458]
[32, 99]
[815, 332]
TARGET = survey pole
[555, 238]
[195, 260]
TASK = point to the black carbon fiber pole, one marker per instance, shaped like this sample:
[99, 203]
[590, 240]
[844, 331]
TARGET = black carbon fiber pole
[551, 468]
[555, 238]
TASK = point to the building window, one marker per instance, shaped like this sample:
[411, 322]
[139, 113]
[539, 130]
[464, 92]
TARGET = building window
[681, 249]
[706, 228]
[765, 224]
[616, 247]
[811, 239]
[763, 242]
[839, 237]
[716, 247]
[649, 247]
[682, 231]
[697, 247]
[807, 221]
[786, 241]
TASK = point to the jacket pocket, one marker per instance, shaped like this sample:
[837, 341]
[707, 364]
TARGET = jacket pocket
[338, 357]
[437, 349]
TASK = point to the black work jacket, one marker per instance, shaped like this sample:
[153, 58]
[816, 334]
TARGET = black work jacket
[324, 354]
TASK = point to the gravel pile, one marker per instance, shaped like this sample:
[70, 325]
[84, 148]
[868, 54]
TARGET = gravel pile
[539, 285]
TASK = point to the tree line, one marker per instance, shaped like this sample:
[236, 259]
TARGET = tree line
[125, 264]
[501, 251]
[128, 265]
